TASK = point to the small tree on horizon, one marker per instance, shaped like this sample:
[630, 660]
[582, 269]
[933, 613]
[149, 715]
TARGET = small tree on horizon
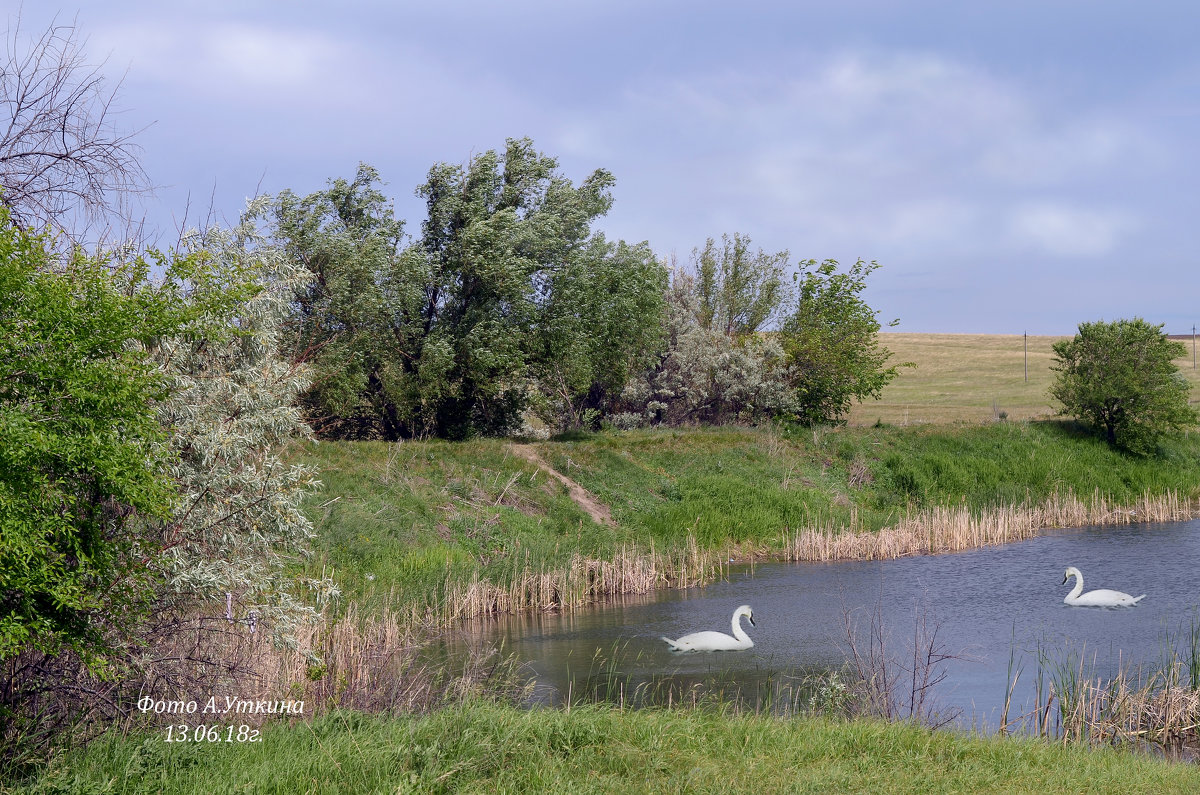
[1121, 379]
[832, 342]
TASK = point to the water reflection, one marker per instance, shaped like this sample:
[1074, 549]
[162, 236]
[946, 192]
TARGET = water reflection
[990, 606]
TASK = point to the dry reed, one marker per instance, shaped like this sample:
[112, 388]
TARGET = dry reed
[1163, 713]
[373, 664]
[954, 529]
[584, 581]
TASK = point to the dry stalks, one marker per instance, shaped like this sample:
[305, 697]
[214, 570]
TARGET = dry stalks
[371, 664]
[1120, 711]
[894, 686]
[956, 529]
[586, 580]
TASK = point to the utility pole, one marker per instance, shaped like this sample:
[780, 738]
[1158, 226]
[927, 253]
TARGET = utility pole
[1026, 335]
[1193, 346]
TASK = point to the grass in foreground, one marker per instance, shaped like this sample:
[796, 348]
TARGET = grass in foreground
[482, 747]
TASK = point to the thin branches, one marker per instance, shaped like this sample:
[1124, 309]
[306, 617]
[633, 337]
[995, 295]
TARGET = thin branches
[64, 160]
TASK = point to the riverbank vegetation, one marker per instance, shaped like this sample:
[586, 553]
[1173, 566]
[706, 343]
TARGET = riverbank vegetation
[420, 525]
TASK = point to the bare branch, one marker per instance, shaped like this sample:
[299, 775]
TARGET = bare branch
[65, 163]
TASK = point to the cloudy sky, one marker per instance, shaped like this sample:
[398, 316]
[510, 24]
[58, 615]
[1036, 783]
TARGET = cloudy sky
[1013, 166]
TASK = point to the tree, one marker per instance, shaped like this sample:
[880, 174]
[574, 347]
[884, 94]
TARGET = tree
[230, 411]
[739, 292]
[832, 341]
[496, 234]
[64, 161]
[356, 318]
[83, 460]
[507, 299]
[705, 376]
[598, 323]
[1119, 378]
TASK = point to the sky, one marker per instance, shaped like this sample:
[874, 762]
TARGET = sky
[1012, 166]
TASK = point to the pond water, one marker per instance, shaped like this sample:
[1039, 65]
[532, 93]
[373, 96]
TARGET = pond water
[988, 605]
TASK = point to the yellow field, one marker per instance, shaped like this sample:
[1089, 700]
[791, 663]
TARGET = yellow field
[972, 378]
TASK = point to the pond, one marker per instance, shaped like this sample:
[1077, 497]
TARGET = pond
[988, 606]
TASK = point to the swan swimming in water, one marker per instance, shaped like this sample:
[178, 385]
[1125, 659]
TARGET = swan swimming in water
[717, 641]
[1099, 598]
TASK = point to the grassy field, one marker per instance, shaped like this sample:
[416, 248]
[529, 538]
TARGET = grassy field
[484, 748]
[972, 378]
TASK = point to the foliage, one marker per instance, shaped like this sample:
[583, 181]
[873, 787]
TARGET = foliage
[599, 323]
[1119, 378]
[497, 234]
[230, 522]
[739, 292]
[353, 319]
[63, 159]
[231, 412]
[831, 341]
[706, 376]
[506, 296]
[82, 459]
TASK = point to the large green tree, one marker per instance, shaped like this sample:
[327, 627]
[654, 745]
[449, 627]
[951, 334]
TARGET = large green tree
[497, 233]
[83, 459]
[353, 319]
[507, 300]
[1120, 378]
[598, 323]
[832, 341]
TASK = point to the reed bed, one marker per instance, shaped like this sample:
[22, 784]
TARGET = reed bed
[954, 529]
[1161, 710]
[583, 581]
[376, 663]
[1119, 711]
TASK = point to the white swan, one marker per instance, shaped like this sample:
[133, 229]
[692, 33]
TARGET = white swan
[1100, 598]
[717, 641]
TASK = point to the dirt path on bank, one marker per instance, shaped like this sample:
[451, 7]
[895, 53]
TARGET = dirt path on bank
[579, 495]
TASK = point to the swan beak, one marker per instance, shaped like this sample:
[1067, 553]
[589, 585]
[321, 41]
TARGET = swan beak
[751, 617]
[1065, 578]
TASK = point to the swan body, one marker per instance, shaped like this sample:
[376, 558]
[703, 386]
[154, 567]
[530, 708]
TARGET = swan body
[1098, 598]
[717, 641]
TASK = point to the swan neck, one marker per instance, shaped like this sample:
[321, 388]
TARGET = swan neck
[1078, 589]
[738, 632]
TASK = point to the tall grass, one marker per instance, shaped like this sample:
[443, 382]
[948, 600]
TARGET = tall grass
[482, 747]
[582, 582]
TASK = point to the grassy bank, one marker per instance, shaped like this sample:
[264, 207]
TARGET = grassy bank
[446, 529]
[482, 747]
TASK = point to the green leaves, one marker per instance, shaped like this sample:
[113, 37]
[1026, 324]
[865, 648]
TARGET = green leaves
[739, 292]
[81, 454]
[832, 343]
[453, 334]
[1119, 378]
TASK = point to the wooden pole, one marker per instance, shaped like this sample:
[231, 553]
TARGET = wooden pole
[1026, 335]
